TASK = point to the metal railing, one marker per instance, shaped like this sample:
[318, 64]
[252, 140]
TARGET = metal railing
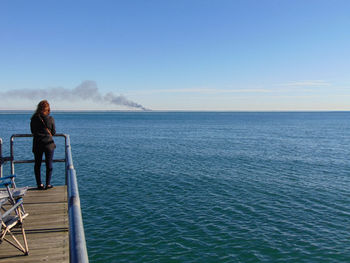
[77, 243]
[1, 159]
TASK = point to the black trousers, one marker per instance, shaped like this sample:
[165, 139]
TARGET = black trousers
[38, 155]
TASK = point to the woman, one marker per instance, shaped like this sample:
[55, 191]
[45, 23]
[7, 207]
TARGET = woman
[43, 128]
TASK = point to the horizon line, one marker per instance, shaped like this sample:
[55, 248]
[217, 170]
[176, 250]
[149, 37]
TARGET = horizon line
[150, 111]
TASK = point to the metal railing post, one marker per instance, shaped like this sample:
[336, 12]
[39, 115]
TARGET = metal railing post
[0, 157]
[11, 155]
[67, 144]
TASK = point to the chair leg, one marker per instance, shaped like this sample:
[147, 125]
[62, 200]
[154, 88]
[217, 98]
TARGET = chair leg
[20, 210]
[17, 245]
[25, 241]
[4, 232]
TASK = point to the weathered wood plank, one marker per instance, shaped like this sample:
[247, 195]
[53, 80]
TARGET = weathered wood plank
[46, 228]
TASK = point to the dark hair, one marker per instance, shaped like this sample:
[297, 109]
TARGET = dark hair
[42, 107]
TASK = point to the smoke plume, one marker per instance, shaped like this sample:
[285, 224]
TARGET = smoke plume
[87, 90]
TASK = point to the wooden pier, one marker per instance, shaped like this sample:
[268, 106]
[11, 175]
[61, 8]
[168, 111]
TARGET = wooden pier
[46, 228]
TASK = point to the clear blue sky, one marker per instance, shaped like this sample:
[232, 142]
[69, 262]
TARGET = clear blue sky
[179, 54]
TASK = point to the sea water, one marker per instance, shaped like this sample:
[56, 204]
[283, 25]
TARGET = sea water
[205, 186]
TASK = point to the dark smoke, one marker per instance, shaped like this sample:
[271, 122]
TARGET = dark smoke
[87, 90]
[121, 100]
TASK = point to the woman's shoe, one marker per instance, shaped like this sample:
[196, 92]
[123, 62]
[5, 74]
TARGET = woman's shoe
[41, 187]
[49, 186]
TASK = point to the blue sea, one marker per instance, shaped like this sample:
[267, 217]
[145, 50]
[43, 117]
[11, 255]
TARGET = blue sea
[205, 186]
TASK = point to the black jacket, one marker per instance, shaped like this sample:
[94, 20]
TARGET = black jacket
[42, 139]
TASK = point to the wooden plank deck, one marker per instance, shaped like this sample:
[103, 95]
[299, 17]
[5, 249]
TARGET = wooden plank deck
[46, 228]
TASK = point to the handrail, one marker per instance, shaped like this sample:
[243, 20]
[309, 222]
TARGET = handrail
[77, 243]
[13, 161]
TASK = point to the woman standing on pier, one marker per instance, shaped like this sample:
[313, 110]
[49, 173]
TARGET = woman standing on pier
[43, 128]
